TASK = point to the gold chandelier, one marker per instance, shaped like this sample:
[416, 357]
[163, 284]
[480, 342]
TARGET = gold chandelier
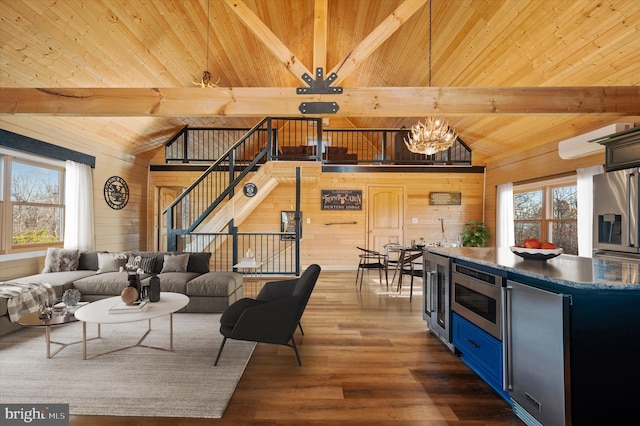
[434, 135]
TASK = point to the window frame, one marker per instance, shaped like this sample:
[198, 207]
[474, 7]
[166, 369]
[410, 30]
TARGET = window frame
[7, 158]
[546, 186]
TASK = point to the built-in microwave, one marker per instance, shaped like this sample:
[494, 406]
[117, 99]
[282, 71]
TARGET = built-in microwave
[477, 296]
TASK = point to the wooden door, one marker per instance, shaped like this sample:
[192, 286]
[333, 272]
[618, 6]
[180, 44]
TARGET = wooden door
[165, 197]
[385, 216]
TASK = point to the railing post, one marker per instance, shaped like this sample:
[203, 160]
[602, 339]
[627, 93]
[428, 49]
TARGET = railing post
[171, 237]
[298, 220]
[233, 233]
[384, 148]
[185, 146]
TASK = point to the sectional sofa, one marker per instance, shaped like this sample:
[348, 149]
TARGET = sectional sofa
[97, 275]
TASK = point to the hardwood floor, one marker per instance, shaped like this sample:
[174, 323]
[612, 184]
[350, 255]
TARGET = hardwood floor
[367, 359]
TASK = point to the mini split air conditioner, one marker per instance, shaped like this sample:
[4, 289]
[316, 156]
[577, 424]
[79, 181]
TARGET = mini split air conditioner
[581, 145]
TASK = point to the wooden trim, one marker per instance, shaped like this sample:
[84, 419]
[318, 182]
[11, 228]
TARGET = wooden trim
[35, 146]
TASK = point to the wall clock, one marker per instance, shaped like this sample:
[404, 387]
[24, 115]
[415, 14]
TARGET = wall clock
[250, 189]
[116, 192]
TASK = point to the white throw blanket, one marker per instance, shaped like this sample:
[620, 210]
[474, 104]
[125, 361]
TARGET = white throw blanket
[24, 298]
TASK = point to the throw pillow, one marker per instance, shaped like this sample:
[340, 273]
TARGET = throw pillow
[146, 263]
[58, 260]
[199, 262]
[175, 263]
[110, 262]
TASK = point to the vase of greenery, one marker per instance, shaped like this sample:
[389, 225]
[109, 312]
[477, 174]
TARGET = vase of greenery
[475, 234]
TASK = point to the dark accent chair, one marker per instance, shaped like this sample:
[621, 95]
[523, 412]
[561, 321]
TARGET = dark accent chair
[273, 316]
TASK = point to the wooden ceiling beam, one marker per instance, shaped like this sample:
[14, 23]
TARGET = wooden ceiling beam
[354, 102]
[269, 39]
[378, 36]
[320, 36]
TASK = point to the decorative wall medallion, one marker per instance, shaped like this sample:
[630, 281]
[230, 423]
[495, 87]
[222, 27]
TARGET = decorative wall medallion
[116, 192]
[250, 189]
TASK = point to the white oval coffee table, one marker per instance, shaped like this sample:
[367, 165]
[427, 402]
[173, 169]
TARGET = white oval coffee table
[98, 313]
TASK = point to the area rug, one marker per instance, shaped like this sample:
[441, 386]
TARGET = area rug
[133, 382]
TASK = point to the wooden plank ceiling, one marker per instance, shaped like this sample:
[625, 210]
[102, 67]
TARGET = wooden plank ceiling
[509, 75]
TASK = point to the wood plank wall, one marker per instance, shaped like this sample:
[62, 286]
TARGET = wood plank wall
[334, 246]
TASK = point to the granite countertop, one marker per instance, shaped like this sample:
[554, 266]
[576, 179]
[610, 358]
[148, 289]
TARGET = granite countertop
[566, 270]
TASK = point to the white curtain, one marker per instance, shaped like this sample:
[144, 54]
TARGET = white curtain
[78, 224]
[585, 209]
[505, 234]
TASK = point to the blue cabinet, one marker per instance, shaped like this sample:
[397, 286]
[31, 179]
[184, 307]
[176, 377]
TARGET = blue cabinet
[480, 351]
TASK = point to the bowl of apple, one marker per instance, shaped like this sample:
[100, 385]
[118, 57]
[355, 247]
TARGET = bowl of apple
[534, 249]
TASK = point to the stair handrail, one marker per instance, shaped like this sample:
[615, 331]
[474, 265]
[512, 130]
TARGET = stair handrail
[227, 158]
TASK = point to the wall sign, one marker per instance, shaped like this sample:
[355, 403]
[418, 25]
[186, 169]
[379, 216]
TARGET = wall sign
[341, 199]
[250, 189]
[116, 192]
[445, 198]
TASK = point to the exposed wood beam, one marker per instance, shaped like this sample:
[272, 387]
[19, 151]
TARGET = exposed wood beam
[378, 36]
[320, 34]
[269, 39]
[354, 102]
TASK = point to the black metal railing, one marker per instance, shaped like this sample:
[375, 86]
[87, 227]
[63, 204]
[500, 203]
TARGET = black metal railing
[217, 183]
[298, 139]
[275, 252]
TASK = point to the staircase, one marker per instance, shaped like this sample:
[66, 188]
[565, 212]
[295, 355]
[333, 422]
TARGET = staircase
[206, 215]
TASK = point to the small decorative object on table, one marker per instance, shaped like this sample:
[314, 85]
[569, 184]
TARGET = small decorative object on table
[534, 249]
[134, 270]
[71, 297]
[45, 310]
[536, 254]
[129, 295]
[249, 254]
[154, 288]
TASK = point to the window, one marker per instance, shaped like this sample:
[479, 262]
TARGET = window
[548, 211]
[31, 202]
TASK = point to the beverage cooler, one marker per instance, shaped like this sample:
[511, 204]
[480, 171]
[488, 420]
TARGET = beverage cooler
[436, 300]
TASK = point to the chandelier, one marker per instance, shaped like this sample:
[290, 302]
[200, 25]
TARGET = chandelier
[434, 135]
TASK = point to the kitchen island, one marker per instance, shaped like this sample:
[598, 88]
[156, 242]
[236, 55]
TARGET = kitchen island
[592, 359]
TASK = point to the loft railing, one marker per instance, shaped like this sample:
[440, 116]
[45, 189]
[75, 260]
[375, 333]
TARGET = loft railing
[298, 139]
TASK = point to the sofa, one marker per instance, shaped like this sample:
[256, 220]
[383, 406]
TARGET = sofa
[98, 275]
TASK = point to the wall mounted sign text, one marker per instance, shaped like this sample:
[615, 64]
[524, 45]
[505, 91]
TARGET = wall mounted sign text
[341, 199]
[445, 198]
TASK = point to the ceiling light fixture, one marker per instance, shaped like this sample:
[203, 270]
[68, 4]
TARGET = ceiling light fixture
[205, 81]
[434, 135]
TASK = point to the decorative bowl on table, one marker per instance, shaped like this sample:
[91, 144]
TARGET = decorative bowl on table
[536, 254]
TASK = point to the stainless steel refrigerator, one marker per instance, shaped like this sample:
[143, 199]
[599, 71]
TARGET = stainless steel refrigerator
[536, 357]
[615, 213]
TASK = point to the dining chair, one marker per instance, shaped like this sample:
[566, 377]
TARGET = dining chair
[370, 259]
[393, 252]
[411, 264]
